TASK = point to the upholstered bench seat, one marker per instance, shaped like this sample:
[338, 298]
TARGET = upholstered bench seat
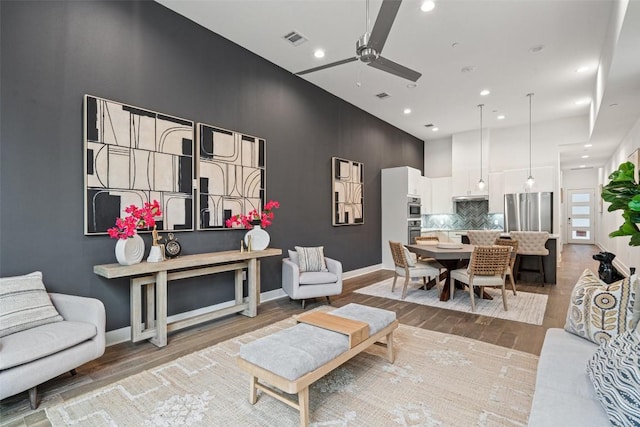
[296, 357]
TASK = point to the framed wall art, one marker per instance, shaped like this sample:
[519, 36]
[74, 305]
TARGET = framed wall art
[134, 155]
[347, 192]
[231, 175]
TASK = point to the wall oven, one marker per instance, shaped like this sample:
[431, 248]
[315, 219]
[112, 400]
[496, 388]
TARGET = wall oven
[414, 207]
[414, 226]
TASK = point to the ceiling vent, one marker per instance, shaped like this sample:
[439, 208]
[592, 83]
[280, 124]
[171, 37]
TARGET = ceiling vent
[295, 38]
[430, 125]
[581, 169]
[383, 95]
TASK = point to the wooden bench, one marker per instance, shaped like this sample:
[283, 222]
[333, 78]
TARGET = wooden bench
[278, 359]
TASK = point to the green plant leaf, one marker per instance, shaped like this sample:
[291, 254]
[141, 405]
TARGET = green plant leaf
[623, 193]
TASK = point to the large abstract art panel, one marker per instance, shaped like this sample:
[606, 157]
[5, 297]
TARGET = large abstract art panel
[231, 175]
[132, 156]
[347, 184]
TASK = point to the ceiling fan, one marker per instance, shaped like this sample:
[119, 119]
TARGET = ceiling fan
[369, 45]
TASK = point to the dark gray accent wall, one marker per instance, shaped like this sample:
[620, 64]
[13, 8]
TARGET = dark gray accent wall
[142, 54]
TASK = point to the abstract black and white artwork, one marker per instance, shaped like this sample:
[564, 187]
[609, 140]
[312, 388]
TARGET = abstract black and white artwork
[134, 155]
[348, 185]
[231, 175]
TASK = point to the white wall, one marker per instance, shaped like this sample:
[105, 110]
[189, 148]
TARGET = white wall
[626, 256]
[437, 157]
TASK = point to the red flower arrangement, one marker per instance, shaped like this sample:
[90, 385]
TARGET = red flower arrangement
[246, 221]
[138, 218]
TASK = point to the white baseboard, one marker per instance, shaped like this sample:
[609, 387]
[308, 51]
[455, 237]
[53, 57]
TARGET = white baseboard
[124, 334]
[619, 265]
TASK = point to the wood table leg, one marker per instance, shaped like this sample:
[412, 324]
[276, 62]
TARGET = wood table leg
[160, 339]
[252, 277]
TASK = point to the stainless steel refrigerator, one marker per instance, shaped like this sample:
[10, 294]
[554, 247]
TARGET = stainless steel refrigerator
[528, 212]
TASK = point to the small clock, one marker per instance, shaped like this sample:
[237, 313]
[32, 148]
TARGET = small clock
[172, 248]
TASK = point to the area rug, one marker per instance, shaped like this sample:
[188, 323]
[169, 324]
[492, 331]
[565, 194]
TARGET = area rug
[437, 380]
[525, 307]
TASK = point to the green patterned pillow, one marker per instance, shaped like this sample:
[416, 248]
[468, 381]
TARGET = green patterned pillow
[311, 259]
[599, 311]
[25, 304]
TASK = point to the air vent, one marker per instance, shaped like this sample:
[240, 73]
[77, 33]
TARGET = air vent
[383, 95]
[581, 169]
[295, 38]
[430, 125]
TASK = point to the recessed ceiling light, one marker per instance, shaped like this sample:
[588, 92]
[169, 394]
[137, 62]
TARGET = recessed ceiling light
[583, 166]
[588, 145]
[407, 111]
[582, 69]
[584, 101]
[412, 85]
[586, 156]
[500, 117]
[319, 53]
[536, 49]
[434, 129]
[427, 6]
[485, 92]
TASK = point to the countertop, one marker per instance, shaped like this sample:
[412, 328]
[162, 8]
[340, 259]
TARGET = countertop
[464, 232]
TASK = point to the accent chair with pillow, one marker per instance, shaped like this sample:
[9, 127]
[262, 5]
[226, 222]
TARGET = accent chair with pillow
[43, 335]
[307, 274]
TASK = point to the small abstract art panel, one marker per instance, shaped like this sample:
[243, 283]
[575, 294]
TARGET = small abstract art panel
[348, 191]
[231, 175]
[132, 156]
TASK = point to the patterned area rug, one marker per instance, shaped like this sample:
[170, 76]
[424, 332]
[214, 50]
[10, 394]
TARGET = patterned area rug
[436, 380]
[525, 307]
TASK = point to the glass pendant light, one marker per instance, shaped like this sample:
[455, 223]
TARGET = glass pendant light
[481, 183]
[530, 180]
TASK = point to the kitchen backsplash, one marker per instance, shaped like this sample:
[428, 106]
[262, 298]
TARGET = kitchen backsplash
[470, 215]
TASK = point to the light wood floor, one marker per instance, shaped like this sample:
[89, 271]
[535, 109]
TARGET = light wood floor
[123, 360]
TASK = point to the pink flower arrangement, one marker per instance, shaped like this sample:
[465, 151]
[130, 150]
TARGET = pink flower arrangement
[246, 221]
[138, 218]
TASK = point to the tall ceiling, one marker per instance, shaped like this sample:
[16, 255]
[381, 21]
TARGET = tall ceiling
[510, 47]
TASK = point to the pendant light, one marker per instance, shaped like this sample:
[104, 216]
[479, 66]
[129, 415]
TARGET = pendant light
[530, 180]
[481, 183]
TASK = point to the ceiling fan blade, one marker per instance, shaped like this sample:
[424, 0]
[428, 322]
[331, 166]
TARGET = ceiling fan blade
[384, 21]
[394, 68]
[322, 67]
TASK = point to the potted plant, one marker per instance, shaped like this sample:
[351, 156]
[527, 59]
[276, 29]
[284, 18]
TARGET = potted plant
[623, 192]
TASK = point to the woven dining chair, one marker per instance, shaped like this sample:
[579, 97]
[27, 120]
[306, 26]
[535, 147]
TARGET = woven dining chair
[513, 244]
[483, 237]
[488, 267]
[531, 243]
[406, 266]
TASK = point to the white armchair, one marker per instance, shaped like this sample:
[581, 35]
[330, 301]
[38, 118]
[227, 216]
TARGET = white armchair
[311, 284]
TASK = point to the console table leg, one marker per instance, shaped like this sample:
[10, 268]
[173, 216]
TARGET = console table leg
[252, 274]
[160, 340]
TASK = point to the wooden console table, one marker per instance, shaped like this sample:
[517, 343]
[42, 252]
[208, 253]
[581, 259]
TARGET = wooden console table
[155, 275]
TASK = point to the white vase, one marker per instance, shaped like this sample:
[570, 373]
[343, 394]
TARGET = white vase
[130, 251]
[258, 237]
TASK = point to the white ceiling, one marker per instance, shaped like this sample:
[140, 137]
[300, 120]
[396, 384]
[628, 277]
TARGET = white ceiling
[493, 37]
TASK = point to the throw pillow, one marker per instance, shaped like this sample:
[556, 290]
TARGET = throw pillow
[25, 304]
[293, 256]
[311, 259]
[599, 311]
[411, 257]
[614, 371]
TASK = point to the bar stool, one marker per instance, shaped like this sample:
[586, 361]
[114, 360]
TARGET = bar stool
[483, 237]
[531, 243]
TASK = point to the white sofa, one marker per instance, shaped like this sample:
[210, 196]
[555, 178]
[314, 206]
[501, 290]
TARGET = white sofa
[564, 394]
[31, 357]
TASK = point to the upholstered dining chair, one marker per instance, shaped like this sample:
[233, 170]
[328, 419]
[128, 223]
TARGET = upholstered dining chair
[513, 244]
[407, 266]
[483, 237]
[487, 267]
[531, 243]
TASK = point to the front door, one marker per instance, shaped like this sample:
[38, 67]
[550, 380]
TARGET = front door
[580, 216]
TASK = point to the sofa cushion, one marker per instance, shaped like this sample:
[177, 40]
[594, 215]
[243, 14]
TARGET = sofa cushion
[614, 370]
[599, 311]
[553, 408]
[25, 304]
[293, 256]
[35, 343]
[317, 278]
[311, 259]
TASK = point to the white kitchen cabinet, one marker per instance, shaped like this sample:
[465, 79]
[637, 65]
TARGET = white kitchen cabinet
[414, 182]
[404, 179]
[465, 183]
[426, 196]
[441, 202]
[515, 180]
[496, 192]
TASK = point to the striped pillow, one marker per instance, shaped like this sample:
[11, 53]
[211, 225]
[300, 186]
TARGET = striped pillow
[614, 370]
[24, 304]
[311, 259]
